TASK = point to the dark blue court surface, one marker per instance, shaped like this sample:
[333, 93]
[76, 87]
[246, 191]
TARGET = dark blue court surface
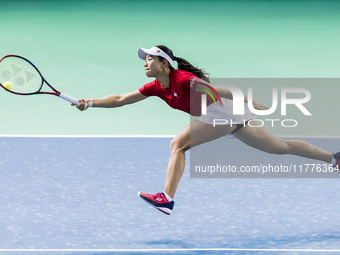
[81, 193]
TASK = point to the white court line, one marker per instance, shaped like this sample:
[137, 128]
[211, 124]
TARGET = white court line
[148, 136]
[311, 136]
[89, 136]
[166, 250]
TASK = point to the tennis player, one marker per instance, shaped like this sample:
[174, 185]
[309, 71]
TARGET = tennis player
[182, 89]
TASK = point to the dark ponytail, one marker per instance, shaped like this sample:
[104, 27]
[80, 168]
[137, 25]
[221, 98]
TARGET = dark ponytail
[184, 65]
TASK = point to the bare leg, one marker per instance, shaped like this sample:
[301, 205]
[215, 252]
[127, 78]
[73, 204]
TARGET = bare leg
[257, 137]
[194, 134]
[260, 138]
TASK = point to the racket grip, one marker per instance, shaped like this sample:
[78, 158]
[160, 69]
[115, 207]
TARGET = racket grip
[69, 98]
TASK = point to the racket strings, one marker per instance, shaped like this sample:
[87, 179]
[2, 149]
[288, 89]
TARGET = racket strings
[21, 74]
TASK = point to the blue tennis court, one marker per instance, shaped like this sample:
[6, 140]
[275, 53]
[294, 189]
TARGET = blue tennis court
[81, 193]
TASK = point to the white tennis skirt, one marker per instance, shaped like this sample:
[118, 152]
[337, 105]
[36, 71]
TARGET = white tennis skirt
[218, 114]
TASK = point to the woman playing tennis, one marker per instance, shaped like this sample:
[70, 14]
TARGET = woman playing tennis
[182, 89]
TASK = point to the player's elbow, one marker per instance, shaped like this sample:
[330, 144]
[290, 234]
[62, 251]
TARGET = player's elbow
[120, 101]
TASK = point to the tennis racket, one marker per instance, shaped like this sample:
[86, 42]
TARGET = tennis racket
[25, 78]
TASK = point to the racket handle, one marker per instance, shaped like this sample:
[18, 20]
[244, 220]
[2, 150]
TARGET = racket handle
[69, 98]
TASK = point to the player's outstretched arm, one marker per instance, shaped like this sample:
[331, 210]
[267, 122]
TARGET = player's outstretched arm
[111, 101]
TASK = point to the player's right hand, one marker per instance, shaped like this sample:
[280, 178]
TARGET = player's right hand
[83, 105]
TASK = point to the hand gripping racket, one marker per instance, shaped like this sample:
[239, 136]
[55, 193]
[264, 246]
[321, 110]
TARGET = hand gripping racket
[25, 78]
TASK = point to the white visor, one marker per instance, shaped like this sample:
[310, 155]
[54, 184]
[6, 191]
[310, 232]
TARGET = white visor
[154, 51]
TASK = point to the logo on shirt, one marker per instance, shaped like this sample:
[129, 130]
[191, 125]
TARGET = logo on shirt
[192, 82]
[175, 94]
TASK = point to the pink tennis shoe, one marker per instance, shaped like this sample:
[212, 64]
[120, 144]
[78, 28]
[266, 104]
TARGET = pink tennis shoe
[159, 201]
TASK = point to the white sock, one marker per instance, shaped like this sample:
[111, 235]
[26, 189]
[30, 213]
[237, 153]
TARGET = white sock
[333, 161]
[167, 196]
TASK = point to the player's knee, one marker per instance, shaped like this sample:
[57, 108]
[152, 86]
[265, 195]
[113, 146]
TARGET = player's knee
[282, 147]
[177, 144]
